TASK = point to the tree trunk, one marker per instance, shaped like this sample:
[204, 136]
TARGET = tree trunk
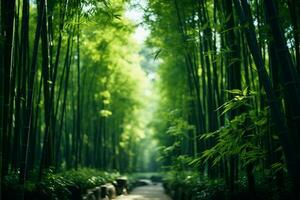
[47, 153]
[276, 112]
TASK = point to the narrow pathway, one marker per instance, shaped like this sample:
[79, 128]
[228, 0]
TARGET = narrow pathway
[148, 192]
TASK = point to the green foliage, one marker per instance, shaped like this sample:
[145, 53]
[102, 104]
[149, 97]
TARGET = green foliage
[55, 186]
[278, 167]
[105, 113]
[241, 98]
[181, 163]
[212, 190]
[11, 179]
[241, 136]
[200, 51]
[178, 125]
[113, 87]
[184, 179]
[59, 186]
[191, 185]
[87, 178]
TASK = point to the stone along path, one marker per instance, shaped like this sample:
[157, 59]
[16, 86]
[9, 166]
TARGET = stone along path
[148, 192]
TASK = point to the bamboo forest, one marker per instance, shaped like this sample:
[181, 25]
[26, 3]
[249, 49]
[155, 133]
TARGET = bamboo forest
[150, 99]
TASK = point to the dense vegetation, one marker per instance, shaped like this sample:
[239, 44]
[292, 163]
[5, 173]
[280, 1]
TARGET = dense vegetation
[72, 92]
[215, 86]
[229, 94]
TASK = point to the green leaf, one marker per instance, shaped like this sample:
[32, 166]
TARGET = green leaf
[105, 113]
[277, 167]
[235, 91]
[245, 91]
[157, 54]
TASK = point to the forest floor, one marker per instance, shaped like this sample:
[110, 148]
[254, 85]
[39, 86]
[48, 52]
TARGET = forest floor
[148, 192]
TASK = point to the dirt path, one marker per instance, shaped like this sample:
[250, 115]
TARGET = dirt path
[149, 192]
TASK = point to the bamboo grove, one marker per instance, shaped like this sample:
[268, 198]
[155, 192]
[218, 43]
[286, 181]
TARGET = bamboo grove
[219, 96]
[229, 88]
[71, 92]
